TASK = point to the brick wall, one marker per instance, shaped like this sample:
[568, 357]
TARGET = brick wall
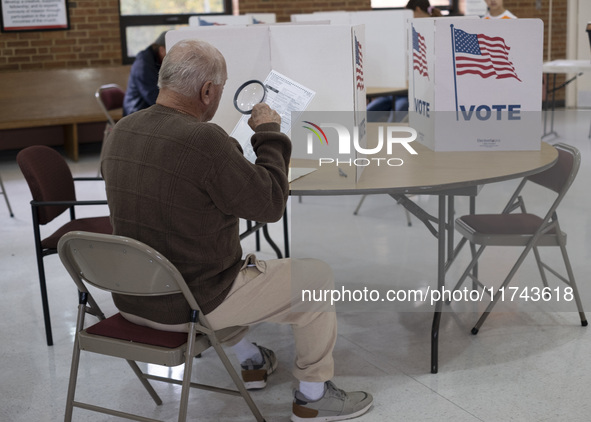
[527, 9]
[92, 41]
[285, 8]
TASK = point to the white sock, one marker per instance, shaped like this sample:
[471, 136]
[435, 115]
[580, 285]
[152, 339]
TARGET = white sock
[245, 350]
[312, 390]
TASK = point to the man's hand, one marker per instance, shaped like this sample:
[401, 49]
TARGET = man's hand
[262, 113]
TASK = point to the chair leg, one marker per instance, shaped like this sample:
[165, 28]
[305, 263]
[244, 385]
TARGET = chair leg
[41, 270]
[138, 372]
[72, 382]
[499, 291]
[186, 384]
[44, 299]
[359, 205]
[475, 268]
[573, 285]
[470, 267]
[237, 380]
[6, 197]
[540, 267]
[408, 220]
[74, 366]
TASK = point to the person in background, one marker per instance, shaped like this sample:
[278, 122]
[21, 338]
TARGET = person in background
[496, 10]
[388, 108]
[180, 184]
[142, 85]
[423, 9]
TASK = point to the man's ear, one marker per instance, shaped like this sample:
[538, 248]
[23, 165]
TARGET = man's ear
[206, 93]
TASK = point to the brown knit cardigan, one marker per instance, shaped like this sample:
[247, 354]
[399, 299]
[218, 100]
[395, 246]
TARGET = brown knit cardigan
[180, 186]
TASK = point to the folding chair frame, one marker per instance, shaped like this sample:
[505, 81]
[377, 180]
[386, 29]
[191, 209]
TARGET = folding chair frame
[85, 269]
[3, 192]
[548, 233]
[110, 121]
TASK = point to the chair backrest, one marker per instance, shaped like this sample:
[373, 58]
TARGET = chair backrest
[120, 265]
[49, 178]
[109, 97]
[560, 176]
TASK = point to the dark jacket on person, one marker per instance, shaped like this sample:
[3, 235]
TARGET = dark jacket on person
[142, 85]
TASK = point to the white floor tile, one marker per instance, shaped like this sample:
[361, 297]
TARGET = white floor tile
[527, 365]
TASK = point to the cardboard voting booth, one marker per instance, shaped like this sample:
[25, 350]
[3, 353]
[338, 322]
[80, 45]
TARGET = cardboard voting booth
[218, 20]
[246, 19]
[327, 59]
[476, 84]
[262, 18]
[385, 38]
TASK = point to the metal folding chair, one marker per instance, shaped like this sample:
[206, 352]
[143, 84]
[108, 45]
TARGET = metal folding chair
[526, 230]
[3, 192]
[128, 267]
[109, 97]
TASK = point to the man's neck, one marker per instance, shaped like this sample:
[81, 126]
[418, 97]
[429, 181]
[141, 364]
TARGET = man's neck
[179, 103]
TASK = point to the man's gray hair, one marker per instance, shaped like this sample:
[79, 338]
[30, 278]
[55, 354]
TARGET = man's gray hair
[189, 64]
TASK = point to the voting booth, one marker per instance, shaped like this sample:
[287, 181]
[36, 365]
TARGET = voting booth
[385, 38]
[262, 18]
[476, 85]
[220, 20]
[325, 59]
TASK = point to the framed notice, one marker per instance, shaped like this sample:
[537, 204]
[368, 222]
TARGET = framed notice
[34, 15]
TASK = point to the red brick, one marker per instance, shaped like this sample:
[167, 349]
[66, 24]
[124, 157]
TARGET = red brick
[25, 51]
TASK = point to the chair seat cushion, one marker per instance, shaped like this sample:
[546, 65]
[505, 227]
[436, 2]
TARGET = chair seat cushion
[503, 224]
[506, 230]
[91, 224]
[118, 327]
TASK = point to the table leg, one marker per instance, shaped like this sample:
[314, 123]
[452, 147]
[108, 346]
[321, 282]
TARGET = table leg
[71, 141]
[553, 102]
[553, 106]
[450, 228]
[550, 106]
[440, 284]
[286, 233]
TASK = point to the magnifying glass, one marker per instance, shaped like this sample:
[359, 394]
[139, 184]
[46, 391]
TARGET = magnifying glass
[248, 95]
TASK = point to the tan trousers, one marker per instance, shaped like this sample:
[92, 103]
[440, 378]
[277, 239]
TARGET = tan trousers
[270, 291]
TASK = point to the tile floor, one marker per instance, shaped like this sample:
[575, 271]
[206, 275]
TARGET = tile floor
[525, 365]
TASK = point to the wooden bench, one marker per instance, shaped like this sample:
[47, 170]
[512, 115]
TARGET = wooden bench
[60, 97]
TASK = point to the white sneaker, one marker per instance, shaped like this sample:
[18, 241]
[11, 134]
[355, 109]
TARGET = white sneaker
[334, 405]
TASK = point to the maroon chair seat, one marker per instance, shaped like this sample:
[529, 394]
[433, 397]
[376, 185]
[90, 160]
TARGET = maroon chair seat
[118, 327]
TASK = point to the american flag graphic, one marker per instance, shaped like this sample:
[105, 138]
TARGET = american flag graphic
[478, 54]
[359, 65]
[419, 53]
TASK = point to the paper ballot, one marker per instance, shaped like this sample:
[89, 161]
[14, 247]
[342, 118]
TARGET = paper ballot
[286, 97]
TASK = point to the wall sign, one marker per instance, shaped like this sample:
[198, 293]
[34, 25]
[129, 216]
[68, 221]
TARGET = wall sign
[34, 15]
